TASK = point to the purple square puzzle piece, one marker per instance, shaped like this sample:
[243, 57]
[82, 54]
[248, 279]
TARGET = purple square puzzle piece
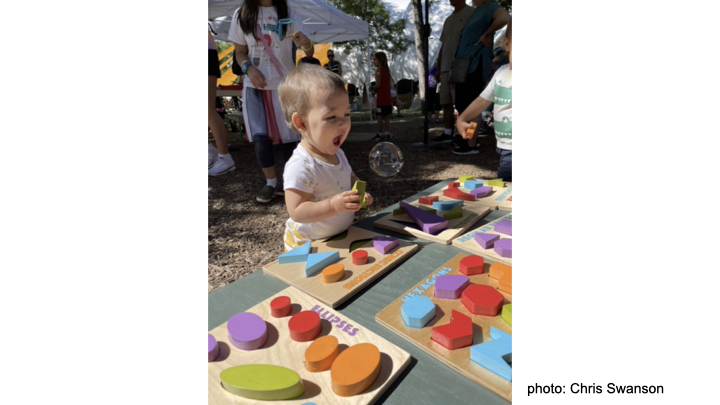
[504, 227]
[503, 247]
[385, 244]
[481, 192]
[486, 240]
[450, 287]
[429, 223]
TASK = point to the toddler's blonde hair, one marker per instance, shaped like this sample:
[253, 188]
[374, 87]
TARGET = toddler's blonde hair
[304, 86]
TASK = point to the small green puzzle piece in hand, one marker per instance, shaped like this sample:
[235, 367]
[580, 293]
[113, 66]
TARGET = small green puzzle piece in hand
[360, 187]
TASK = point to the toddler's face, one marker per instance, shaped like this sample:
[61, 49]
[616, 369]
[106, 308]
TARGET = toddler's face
[328, 123]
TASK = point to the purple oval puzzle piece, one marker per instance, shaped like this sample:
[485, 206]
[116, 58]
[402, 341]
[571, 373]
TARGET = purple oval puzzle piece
[385, 244]
[450, 287]
[247, 331]
[213, 349]
[504, 227]
[481, 192]
[503, 247]
[486, 240]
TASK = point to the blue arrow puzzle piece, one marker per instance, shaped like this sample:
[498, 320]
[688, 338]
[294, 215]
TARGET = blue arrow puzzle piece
[299, 254]
[318, 261]
[492, 354]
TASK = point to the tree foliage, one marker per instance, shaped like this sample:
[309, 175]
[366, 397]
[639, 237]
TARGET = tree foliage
[384, 35]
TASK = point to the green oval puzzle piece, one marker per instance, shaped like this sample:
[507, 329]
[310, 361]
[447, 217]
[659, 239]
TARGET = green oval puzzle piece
[262, 381]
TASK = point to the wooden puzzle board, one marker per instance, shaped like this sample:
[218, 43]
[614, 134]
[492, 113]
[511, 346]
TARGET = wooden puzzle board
[356, 277]
[458, 359]
[500, 199]
[467, 242]
[281, 350]
[402, 223]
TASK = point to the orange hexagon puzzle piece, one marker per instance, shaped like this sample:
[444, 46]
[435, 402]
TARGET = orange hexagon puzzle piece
[503, 274]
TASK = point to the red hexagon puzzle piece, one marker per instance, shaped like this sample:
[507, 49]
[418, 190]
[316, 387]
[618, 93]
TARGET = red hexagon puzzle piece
[482, 300]
[471, 265]
[458, 333]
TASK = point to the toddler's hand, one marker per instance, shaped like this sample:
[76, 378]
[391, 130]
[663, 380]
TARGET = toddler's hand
[344, 202]
[462, 128]
[368, 199]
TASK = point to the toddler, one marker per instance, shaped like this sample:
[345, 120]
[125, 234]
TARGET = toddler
[318, 177]
[499, 91]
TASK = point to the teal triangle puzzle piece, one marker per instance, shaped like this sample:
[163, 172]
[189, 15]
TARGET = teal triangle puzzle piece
[299, 254]
[318, 261]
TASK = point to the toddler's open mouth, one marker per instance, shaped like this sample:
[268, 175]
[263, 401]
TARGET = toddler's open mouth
[337, 140]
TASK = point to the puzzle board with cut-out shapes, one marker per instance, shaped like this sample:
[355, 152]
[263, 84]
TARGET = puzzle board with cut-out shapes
[355, 278]
[468, 243]
[402, 223]
[457, 359]
[281, 350]
[499, 199]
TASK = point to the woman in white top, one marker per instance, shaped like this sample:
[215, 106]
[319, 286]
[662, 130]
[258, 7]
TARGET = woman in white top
[265, 59]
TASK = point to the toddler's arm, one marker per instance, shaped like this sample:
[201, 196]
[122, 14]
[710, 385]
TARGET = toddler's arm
[302, 210]
[473, 110]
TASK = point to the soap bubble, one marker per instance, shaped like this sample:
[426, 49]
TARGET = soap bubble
[487, 116]
[386, 159]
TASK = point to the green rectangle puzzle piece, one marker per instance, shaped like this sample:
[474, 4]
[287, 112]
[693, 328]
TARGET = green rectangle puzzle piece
[360, 187]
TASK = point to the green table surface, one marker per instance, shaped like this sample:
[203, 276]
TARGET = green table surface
[426, 380]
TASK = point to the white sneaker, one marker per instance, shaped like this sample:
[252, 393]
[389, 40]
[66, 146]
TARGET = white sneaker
[222, 166]
[212, 155]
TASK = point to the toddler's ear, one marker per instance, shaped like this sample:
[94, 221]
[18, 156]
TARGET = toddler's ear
[298, 122]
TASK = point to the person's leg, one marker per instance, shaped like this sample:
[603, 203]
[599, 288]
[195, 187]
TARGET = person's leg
[216, 124]
[224, 162]
[505, 167]
[257, 126]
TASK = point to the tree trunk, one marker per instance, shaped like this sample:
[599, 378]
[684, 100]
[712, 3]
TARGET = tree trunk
[419, 46]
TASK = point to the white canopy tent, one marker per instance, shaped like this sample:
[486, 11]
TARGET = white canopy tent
[404, 65]
[324, 23]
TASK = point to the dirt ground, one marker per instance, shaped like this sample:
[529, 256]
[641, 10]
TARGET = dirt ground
[244, 235]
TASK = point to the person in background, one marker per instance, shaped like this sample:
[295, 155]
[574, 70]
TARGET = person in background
[452, 27]
[265, 59]
[236, 103]
[476, 42]
[499, 91]
[384, 98]
[333, 65]
[309, 58]
[223, 163]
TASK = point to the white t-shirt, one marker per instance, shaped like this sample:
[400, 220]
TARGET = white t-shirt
[323, 180]
[268, 21]
[450, 36]
[499, 91]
